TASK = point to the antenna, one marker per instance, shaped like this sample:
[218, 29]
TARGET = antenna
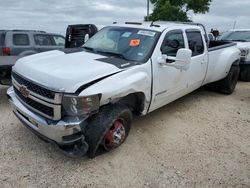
[153, 25]
[234, 24]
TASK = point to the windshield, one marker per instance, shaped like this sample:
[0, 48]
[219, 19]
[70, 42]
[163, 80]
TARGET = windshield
[121, 42]
[241, 36]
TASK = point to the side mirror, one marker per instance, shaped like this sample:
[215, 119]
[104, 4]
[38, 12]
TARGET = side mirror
[86, 38]
[183, 58]
[181, 61]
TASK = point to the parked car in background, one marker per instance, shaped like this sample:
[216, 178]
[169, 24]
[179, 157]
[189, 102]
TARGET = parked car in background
[83, 99]
[15, 44]
[242, 38]
[77, 35]
[211, 36]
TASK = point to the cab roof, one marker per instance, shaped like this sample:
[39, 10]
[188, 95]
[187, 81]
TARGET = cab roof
[159, 25]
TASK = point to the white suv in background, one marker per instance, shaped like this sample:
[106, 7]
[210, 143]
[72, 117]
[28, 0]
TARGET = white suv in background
[242, 38]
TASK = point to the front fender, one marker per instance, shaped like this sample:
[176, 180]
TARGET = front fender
[120, 85]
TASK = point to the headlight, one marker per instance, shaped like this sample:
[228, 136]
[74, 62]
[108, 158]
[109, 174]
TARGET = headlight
[244, 52]
[77, 106]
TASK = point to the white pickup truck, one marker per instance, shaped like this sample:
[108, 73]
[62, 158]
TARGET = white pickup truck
[242, 38]
[82, 100]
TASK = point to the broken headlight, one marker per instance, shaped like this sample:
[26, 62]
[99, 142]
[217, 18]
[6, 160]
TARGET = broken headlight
[78, 105]
[244, 52]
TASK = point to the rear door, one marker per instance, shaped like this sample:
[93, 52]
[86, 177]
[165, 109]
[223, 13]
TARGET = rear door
[199, 60]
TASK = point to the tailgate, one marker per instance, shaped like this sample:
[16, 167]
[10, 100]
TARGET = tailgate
[8, 61]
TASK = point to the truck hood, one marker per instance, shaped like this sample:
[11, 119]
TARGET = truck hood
[64, 72]
[243, 45]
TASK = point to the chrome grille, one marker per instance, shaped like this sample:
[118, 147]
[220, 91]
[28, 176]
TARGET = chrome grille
[33, 87]
[40, 100]
[38, 106]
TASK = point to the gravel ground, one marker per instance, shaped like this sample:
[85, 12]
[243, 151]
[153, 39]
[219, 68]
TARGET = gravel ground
[201, 140]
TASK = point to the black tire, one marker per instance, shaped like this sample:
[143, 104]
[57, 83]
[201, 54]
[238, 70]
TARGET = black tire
[102, 123]
[245, 73]
[228, 84]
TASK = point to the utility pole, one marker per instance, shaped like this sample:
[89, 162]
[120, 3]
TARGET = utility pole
[234, 24]
[147, 8]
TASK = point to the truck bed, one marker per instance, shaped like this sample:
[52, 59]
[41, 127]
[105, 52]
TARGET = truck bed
[219, 53]
[216, 45]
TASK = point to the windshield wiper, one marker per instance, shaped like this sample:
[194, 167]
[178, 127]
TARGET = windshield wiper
[239, 40]
[235, 40]
[114, 54]
[89, 49]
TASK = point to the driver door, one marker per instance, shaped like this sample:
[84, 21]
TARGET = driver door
[169, 83]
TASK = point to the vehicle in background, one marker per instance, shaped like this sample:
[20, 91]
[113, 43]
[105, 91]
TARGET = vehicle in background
[77, 35]
[211, 36]
[242, 38]
[15, 44]
[83, 99]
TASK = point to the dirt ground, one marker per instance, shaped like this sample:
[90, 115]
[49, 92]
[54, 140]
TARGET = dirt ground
[201, 140]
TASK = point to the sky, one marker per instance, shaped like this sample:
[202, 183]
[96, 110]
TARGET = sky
[55, 15]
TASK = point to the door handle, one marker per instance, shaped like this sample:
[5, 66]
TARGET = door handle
[203, 62]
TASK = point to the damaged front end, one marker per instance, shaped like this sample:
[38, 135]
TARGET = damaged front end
[60, 123]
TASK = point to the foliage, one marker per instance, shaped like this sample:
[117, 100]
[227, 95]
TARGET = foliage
[177, 10]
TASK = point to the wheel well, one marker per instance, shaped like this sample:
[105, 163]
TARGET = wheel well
[236, 62]
[135, 101]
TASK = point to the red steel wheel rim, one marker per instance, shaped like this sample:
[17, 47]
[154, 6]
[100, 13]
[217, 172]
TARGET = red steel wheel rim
[115, 135]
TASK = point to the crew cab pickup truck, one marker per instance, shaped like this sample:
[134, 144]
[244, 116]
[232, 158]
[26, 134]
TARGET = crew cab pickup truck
[83, 100]
[242, 38]
[15, 44]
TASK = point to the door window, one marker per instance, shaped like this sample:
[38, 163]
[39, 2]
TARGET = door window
[2, 36]
[172, 43]
[195, 42]
[43, 40]
[59, 41]
[21, 39]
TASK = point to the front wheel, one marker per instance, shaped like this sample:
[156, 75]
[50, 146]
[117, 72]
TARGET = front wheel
[108, 129]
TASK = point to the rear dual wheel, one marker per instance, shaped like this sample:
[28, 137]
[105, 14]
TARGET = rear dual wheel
[108, 129]
[228, 84]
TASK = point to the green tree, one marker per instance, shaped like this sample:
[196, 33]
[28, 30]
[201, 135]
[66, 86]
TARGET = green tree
[177, 10]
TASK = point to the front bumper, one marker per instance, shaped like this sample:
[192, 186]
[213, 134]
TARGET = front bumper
[64, 133]
[243, 61]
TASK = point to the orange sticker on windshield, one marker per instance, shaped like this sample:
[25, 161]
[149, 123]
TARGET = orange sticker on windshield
[134, 42]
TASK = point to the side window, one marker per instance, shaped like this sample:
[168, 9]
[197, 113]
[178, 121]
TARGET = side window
[195, 42]
[43, 40]
[21, 39]
[172, 43]
[59, 40]
[2, 36]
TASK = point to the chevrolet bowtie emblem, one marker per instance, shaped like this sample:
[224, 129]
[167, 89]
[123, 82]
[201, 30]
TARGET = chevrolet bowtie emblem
[24, 91]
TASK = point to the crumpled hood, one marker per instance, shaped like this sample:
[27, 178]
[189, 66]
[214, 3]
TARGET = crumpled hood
[64, 72]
